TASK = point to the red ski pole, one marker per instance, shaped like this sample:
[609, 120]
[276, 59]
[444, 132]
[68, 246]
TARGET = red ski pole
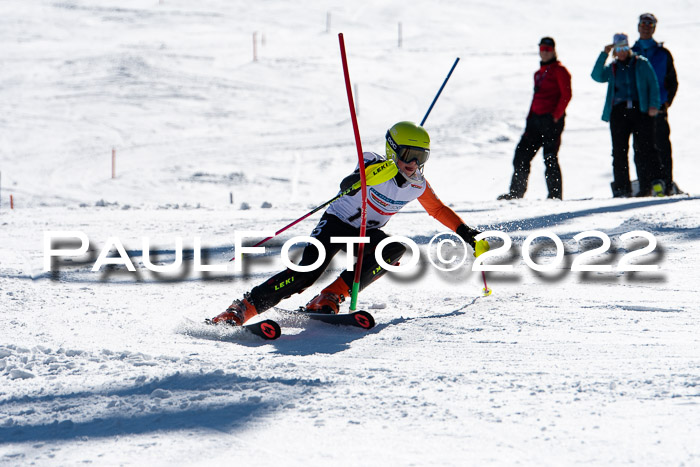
[374, 175]
[486, 290]
[293, 223]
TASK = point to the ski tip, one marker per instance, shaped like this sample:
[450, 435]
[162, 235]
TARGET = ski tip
[269, 329]
[364, 319]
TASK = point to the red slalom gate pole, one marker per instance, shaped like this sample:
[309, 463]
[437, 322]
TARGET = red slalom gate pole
[363, 179]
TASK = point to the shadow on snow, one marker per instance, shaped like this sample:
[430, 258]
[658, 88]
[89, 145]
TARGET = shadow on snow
[225, 416]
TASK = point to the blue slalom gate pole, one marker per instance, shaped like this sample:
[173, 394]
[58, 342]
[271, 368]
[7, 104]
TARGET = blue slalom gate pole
[438, 93]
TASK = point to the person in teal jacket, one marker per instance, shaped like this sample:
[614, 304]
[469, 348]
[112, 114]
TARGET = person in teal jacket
[631, 103]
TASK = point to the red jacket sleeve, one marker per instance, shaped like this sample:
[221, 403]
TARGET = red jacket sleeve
[564, 82]
[437, 209]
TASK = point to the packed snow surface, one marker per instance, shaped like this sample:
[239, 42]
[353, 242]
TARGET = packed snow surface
[113, 367]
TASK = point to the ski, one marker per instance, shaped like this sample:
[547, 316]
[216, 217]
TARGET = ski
[360, 319]
[267, 329]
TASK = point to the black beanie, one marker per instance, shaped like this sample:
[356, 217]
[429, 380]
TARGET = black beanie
[547, 41]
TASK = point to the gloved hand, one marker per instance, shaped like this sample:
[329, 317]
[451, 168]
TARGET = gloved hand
[467, 234]
[349, 181]
[482, 246]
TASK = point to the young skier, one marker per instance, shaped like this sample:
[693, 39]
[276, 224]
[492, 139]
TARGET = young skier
[408, 145]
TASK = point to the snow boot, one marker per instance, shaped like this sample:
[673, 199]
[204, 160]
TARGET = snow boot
[658, 188]
[237, 313]
[330, 298]
[621, 190]
[672, 189]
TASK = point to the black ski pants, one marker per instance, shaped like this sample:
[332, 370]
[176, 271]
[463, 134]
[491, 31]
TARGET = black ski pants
[288, 282]
[662, 144]
[624, 122]
[540, 132]
[662, 140]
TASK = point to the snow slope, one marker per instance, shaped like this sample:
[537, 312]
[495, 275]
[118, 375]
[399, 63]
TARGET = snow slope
[113, 368]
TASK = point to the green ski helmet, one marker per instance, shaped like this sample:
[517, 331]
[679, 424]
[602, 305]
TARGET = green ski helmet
[406, 142]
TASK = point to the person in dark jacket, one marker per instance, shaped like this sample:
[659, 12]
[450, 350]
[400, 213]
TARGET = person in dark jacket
[544, 125]
[662, 62]
[631, 104]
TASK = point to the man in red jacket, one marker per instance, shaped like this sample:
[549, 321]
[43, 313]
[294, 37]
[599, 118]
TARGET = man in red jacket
[545, 123]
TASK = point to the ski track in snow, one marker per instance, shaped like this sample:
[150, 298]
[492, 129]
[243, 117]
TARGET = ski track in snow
[114, 367]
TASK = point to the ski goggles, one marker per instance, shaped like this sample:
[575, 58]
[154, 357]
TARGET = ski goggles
[623, 48]
[408, 154]
[546, 48]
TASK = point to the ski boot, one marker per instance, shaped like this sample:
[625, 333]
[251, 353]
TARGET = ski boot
[237, 313]
[329, 300]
